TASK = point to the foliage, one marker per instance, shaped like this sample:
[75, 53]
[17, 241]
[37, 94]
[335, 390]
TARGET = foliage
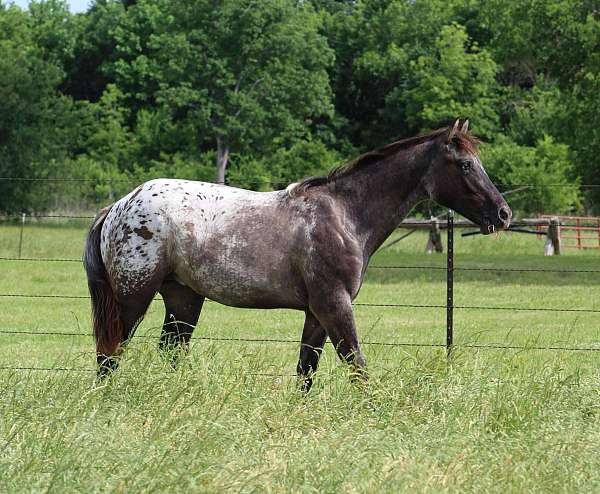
[32, 112]
[543, 171]
[241, 74]
[454, 79]
[278, 89]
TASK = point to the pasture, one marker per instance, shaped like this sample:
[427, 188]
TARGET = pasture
[230, 417]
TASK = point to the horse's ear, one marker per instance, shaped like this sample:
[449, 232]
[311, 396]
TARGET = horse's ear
[452, 132]
[465, 127]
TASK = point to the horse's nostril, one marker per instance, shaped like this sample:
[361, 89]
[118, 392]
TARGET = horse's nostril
[504, 213]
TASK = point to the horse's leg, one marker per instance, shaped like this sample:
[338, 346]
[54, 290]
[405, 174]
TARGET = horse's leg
[313, 339]
[334, 312]
[132, 310]
[182, 310]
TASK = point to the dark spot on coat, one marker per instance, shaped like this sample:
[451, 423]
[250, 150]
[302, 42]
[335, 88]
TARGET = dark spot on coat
[144, 233]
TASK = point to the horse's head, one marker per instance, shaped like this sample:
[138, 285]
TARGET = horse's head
[459, 181]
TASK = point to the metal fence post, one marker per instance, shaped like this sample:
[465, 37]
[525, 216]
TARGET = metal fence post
[21, 234]
[450, 285]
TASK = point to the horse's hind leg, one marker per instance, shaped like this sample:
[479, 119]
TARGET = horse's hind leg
[132, 310]
[311, 347]
[182, 310]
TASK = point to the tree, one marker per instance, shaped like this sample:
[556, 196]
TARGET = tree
[244, 75]
[545, 168]
[404, 66]
[31, 111]
[457, 78]
[91, 69]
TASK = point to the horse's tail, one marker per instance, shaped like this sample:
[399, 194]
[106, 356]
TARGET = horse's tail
[106, 313]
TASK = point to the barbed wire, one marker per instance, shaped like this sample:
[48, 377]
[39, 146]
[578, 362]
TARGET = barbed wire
[40, 259]
[231, 339]
[17, 216]
[87, 297]
[87, 369]
[67, 369]
[492, 269]
[356, 304]
[492, 382]
[425, 267]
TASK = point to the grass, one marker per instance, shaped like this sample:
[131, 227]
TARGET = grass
[230, 417]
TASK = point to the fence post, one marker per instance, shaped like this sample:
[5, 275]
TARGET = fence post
[552, 246]
[450, 285]
[21, 234]
[435, 238]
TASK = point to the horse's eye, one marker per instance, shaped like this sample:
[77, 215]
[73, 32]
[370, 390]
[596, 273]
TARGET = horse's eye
[466, 166]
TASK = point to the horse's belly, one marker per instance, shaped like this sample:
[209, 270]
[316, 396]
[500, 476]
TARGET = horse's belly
[250, 289]
[239, 283]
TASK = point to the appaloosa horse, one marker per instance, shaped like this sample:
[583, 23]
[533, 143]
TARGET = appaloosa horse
[306, 247]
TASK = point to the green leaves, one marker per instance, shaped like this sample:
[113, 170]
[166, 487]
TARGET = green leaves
[279, 87]
[545, 167]
[455, 79]
[239, 71]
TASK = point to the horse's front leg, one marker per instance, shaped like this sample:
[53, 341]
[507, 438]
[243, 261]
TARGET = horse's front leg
[334, 312]
[313, 339]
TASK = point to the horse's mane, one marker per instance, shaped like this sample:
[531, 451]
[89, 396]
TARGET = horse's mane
[463, 139]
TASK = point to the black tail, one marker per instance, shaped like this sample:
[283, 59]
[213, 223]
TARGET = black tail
[106, 313]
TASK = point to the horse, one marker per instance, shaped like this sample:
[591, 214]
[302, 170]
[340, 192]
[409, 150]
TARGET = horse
[306, 247]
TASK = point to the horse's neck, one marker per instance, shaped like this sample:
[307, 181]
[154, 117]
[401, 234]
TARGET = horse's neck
[380, 195]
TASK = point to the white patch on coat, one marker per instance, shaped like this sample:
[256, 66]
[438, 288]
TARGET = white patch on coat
[199, 234]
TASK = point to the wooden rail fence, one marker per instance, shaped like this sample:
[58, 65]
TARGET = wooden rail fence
[550, 226]
[578, 232]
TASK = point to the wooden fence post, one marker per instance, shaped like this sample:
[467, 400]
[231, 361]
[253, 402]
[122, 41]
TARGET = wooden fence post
[435, 238]
[21, 235]
[552, 246]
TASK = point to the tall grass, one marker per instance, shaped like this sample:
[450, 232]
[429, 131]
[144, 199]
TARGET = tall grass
[230, 418]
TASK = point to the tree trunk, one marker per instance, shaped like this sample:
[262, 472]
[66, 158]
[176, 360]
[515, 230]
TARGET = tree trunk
[222, 159]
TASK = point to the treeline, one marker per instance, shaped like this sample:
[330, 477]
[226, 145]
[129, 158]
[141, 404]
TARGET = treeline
[260, 93]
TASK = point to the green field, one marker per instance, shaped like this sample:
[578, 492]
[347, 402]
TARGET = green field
[230, 418]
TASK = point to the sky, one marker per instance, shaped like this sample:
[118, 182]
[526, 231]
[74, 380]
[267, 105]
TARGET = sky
[74, 5]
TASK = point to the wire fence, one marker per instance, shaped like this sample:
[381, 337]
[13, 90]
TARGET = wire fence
[416, 266]
[355, 304]
[449, 268]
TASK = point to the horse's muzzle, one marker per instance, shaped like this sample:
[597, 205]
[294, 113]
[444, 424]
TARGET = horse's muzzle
[500, 222]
